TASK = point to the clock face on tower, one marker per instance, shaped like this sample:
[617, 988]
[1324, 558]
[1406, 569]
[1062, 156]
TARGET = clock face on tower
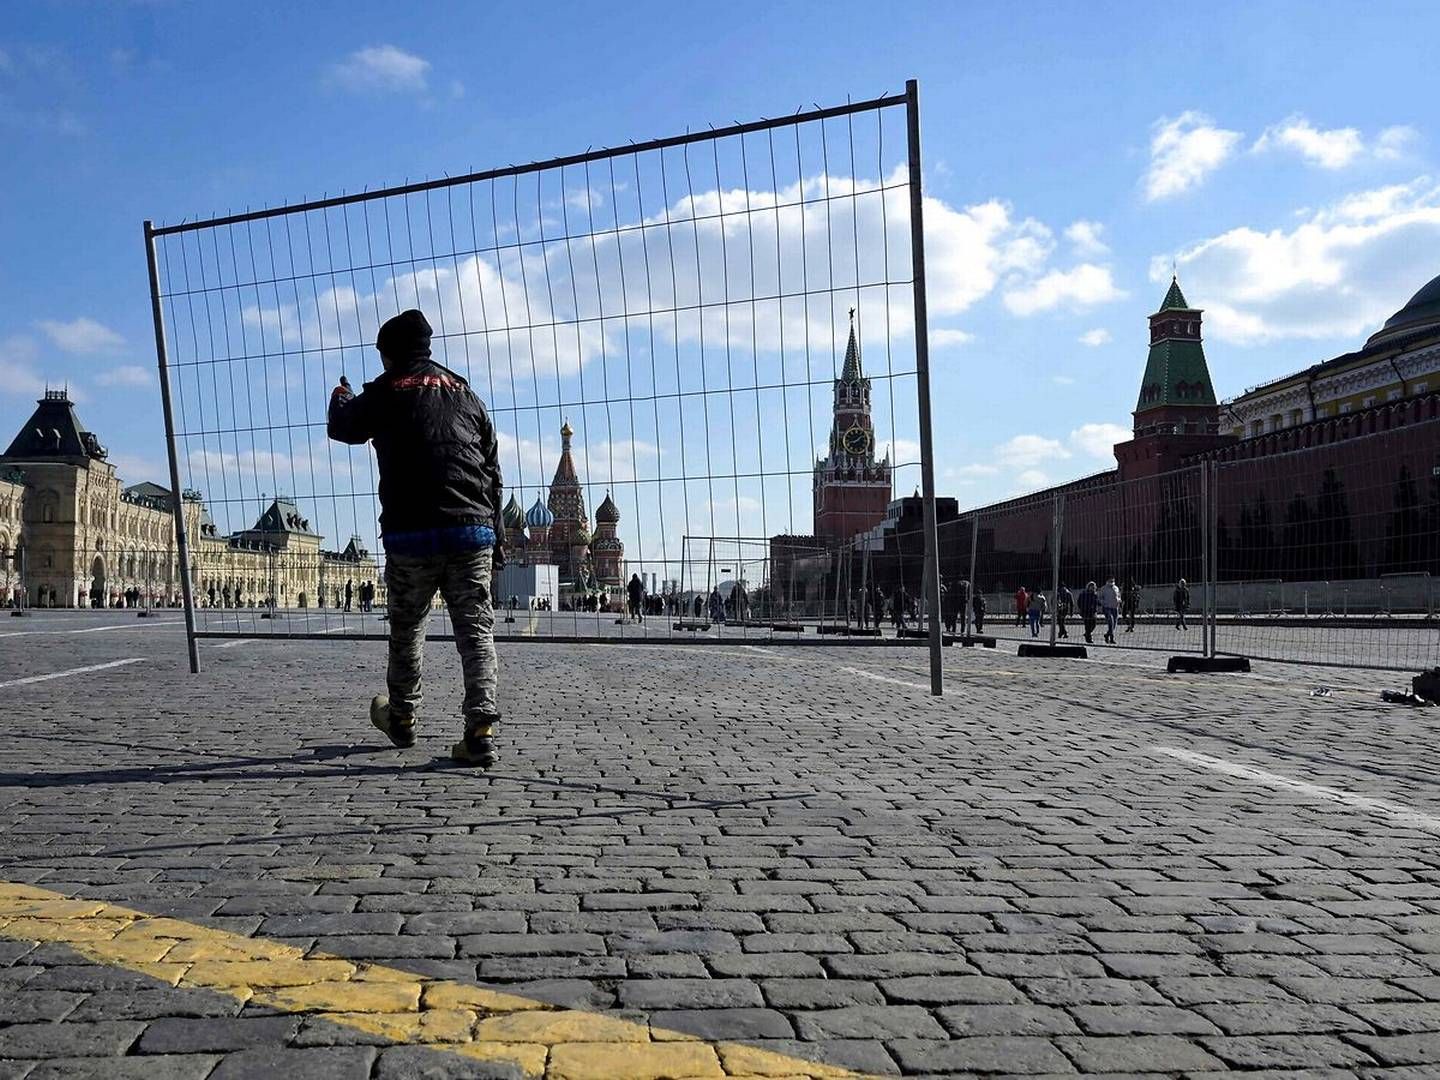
[857, 441]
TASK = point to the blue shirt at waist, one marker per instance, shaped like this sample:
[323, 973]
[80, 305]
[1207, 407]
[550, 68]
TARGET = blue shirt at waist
[450, 540]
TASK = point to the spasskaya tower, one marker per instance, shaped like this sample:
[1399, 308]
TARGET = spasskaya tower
[851, 488]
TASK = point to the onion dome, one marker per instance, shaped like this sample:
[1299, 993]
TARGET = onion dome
[513, 515]
[607, 513]
[539, 515]
[1421, 313]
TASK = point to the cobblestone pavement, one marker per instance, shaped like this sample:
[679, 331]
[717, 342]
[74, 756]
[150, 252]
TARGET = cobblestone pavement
[1059, 867]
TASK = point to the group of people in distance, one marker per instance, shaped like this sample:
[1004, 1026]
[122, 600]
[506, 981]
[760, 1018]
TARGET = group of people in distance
[1110, 602]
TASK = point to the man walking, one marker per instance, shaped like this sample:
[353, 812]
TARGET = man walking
[1088, 604]
[1036, 612]
[440, 491]
[1110, 605]
[1130, 604]
[1064, 607]
[635, 593]
[1182, 604]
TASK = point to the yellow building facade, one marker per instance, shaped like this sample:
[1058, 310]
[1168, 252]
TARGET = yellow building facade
[73, 535]
[1400, 360]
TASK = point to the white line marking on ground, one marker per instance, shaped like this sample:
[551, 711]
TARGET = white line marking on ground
[71, 671]
[1397, 812]
[881, 678]
[94, 629]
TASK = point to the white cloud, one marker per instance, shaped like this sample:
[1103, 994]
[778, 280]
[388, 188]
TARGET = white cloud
[381, 68]
[17, 376]
[126, 375]
[899, 452]
[1093, 338]
[134, 468]
[1081, 286]
[966, 474]
[1030, 480]
[1331, 149]
[82, 335]
[1084, 236]
[1062, 380]
[967, 250]
[1393, 142]
[1340, 273]
[755, 243]
[1335, 148]
[1026, 451]
[1184, 151]
[945, 337]
[20, 374]
[1098, 440]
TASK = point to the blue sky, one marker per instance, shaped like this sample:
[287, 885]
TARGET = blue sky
[1283, 156]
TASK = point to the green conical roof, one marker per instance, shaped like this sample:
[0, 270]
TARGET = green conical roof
[1174, 299]
[1176, 374]
[1175, 371]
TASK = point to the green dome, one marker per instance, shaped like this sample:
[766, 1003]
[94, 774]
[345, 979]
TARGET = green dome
[1422, 312]
[513, 515]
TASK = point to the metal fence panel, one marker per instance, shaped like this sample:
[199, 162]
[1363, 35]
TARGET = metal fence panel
[1330, 554]
[660, 333]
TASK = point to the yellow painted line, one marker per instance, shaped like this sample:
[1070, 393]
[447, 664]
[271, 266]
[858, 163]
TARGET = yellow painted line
[541, 1040]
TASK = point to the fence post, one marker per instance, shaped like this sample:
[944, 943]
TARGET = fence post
[974, 584]
[922, 379]
[1212, 528]
[1057, 519]
[177, 501]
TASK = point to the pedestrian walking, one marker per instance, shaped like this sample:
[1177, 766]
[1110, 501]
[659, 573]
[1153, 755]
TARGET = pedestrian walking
[635, 593]
[1064, 608]
[440, 488]
[1087, 605]
[1182, 604]
[977, 608]
[1035, 610]
[1130, 604]
[1110, 605]
[1022, 605]
[952, 599]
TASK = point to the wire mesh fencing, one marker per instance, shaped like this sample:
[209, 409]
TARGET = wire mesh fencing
[1101, 561]
[715, 336]
[1331, 554]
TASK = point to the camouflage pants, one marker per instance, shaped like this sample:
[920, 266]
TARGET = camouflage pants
[464, 582]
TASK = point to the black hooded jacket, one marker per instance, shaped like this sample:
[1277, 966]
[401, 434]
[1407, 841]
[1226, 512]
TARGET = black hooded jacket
[439, 462]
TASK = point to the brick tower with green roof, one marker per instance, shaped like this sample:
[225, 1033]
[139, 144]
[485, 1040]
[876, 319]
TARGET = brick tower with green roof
[1177, 413]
